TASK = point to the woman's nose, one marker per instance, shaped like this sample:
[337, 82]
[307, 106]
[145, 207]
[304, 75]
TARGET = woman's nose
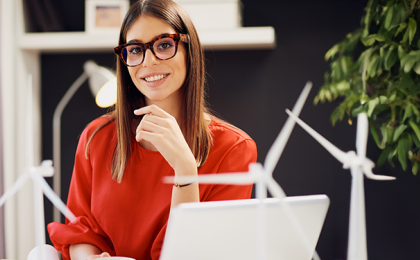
[149, 59]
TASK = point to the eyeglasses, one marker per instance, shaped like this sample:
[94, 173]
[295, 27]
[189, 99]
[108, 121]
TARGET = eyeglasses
[164, 47]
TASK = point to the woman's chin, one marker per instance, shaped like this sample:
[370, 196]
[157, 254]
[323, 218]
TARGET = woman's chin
[153, 99]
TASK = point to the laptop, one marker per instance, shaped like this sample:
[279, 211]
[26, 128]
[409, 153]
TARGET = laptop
[228, 230]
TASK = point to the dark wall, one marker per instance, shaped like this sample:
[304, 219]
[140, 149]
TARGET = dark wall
[251, 89]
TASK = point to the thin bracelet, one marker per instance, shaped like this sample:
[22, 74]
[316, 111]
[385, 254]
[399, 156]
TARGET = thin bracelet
[183, 185]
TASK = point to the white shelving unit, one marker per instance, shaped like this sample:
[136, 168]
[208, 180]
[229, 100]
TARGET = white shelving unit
[228, 39]
[20, 56]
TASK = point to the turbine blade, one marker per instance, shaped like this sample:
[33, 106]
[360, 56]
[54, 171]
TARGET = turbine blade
[15, 188]
[369, 174]
[49, 193]
[362, 134]
[275, 189]
[332, 149]
[229, 178]
[277, 148]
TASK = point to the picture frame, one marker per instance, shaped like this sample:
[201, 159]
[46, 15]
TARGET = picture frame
[105, 16]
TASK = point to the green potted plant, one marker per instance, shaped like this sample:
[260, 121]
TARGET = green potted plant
[375, 70]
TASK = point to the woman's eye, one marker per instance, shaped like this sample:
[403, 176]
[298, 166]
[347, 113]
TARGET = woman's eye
[164, 46]
[135, 50]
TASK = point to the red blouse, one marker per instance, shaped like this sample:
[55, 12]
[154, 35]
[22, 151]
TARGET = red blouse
[129, 218]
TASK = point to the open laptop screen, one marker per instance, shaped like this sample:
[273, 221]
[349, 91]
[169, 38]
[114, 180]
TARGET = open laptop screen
[226, 230]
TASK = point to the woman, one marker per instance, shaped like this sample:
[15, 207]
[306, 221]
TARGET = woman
[116, 189]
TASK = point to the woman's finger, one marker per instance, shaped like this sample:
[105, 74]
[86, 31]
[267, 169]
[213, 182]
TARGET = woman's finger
[160, 121]
[148, 136]
[152, 109]
[105, 254]
[149, 127]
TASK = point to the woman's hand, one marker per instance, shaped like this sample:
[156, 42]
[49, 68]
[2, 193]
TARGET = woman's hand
[163, 132]
[91, 257]
[85, 251]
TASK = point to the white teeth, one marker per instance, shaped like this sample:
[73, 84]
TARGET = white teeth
[155, 78]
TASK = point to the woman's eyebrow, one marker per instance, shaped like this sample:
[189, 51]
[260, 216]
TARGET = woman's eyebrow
[134, 41]
[138, 41]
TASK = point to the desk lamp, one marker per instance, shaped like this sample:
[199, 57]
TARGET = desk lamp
[103, 85]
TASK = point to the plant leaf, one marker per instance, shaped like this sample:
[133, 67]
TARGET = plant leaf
[384, 136]
[391, 155]
[328, 95]
[390, 57]
[373, 65]
[412, 27]
[393, 96]
[346, 64]
[415, 128]
[384, 155]
[336, 71]
[415, 140]
[417, 68]
[398, 131]
[409, 62]
[371, 105]
[337, 114]
[402, 150]
[374, 134]
[358, 110]
[415, 168]
[415, 110]
[382, 50]
[400, 29]
[343, 86]
[388, 18]
[408, 111]
[383, 99]
[405, 37]
[390, 133]
[369, 40]
[331, 52]
[401, 52]
[380, 38]
[368, 17]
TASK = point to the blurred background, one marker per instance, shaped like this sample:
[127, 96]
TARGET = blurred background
[251, 89]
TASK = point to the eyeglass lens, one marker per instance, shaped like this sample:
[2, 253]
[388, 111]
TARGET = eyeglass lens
[164, 48]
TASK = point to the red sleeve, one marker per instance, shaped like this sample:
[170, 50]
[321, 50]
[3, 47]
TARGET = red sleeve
[237, 159]
[85, 229]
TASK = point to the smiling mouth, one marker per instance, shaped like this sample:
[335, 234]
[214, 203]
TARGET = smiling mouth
[155, 78]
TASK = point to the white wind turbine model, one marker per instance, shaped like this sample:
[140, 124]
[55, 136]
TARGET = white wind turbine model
[359, 165]
[263, 177]
[40, 186]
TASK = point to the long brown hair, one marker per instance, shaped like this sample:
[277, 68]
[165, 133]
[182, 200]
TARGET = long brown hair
[129, 98]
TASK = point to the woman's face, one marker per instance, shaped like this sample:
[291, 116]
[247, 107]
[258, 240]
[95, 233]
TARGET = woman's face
[160, 81]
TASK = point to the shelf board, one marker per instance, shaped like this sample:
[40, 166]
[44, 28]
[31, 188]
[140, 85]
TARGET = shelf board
[228, 39]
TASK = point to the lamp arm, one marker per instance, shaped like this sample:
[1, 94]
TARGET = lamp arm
[106, 73]
[57, 137]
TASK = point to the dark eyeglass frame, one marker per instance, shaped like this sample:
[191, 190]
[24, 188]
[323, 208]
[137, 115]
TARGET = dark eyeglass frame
[177, 37]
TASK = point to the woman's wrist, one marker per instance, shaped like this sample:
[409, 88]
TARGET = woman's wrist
[186, 167]
[186, 170]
